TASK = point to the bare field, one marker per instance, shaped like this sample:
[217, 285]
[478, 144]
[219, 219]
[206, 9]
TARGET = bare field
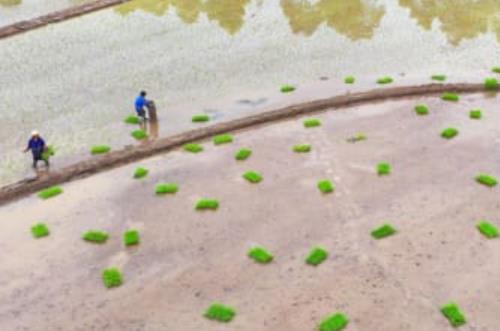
[187, 259]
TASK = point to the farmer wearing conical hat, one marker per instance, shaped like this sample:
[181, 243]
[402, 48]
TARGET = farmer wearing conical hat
[37, 146]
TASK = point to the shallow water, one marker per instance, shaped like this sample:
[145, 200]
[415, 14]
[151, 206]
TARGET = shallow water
[12, 11]
[75, 81]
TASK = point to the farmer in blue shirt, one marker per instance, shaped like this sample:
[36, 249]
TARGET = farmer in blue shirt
[140, 103]
[37, 146]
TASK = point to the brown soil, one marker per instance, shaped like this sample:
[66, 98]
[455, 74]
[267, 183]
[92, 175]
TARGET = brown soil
[188, 259]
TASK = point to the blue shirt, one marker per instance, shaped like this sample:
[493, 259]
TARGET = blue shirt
[140, 102]
[36, 144]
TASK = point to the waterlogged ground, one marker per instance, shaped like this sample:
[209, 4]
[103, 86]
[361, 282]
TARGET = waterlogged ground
[187, 260]
[12, 11]
[76, 80]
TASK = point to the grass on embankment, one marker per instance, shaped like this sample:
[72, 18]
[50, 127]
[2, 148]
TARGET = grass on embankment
[98, 237]
[260, 255]
[40, 230]
[219, 312]
[50, 192]
[491, 84]
[112, 277]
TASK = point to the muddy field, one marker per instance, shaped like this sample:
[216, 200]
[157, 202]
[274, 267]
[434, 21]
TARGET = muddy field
[186, 259]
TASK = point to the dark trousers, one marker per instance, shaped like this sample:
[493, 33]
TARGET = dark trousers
[37, 156]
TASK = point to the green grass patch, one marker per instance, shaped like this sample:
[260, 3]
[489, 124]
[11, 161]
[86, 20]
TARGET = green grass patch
[487, 229]
[260, 255]
[166, 188]
[384, 169]
[131, 238]
[219, 312]
[193, 148]
[325, 186]
[475, 114]
[449, 133]
[140, 173]
[50, 192]
[487, 180]
[439, 78]
[287, 88]
[336, 322]
[243, 154]
[100, 149]
[312, 123]
[495, 70]
[139, 134]
[491, 84]
[40, 230]
[421, 110]
[385, 230]
[223, 139]
[132, 119]
[304, 148]
[385, 80]
[112, 277]
[99, 237]
[449, 96]
[317, 256]
[50, 151]
[252, 177]
[200, 118]
[349, 80]
[452, 312]
[207, 204]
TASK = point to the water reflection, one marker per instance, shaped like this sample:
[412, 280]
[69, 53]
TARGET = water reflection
[9, 3]
[460, 19]
[229, 14]
[355, 19]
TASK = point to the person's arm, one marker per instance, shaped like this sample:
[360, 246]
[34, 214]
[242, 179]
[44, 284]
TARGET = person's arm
[28, 147]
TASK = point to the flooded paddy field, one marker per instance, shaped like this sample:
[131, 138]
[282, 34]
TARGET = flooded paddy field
[188, 259]
[75, 81]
